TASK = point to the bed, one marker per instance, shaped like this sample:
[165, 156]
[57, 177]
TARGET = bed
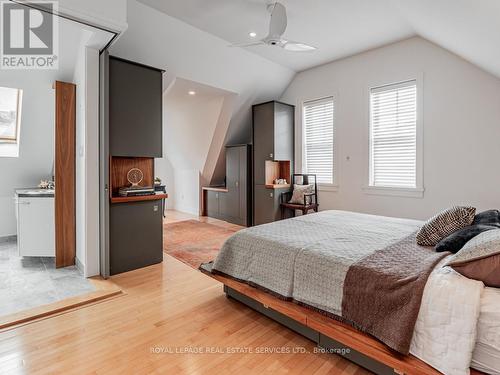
[486, 355]
[309, 269]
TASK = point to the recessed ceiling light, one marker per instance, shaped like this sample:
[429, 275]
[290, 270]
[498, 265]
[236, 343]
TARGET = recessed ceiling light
[252, 34]
[192, 92]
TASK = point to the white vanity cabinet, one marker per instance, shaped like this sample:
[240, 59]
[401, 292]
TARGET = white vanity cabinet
[35, 226]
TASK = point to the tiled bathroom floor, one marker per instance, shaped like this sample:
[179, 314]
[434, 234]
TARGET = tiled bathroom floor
[30, 282]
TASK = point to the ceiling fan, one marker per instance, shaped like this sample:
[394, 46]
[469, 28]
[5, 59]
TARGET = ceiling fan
[277, 27]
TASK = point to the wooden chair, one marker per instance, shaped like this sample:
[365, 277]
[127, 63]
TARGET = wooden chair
[310, 199]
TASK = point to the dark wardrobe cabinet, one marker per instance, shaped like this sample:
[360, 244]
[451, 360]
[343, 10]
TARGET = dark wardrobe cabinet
[233, 204]
[135, 109]
[133, 104]
[136, 233]
[273, 157]
[268, 201]
[212, 204]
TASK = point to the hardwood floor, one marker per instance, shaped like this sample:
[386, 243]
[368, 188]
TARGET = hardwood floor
[166, 314]
[175, 216]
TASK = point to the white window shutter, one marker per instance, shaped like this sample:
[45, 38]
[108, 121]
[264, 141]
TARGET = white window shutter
[318, 139]
[393, 135]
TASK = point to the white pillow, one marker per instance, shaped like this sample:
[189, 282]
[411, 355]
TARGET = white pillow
[299, 191]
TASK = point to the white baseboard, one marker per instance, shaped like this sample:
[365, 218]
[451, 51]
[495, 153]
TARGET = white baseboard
[80, 266]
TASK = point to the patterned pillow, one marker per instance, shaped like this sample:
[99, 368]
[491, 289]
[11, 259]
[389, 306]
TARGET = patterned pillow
[479, 259]
[445, 223]
[299, 191]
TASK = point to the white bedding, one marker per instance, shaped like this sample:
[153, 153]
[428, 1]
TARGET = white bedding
[486, 356]
[446, 328]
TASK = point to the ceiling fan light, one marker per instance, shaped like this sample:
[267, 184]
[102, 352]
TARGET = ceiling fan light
[298, 47]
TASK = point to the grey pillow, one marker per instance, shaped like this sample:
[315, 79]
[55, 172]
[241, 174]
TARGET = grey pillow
[489, 217]
[445, 223]
[298, 193]
[479, 259]
[455, 241]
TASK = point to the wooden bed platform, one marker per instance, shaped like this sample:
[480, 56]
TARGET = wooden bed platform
[368, 351]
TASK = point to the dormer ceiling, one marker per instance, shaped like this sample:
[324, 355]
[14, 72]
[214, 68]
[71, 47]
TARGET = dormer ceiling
[341, 28]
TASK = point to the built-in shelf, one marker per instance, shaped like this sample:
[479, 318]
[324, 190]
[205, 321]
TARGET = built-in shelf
[277, 169]
[216, 188]
[139, 198]
[280, 186]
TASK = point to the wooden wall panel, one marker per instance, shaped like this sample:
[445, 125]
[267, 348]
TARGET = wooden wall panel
[119, 167]
[277, 170]
[65, 164]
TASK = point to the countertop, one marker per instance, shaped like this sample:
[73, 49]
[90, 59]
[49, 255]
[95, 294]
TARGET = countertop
[35, 193]
[221, 189]
[157, 196]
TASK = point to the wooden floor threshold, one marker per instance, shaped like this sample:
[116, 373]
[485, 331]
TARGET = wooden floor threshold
[105, 289]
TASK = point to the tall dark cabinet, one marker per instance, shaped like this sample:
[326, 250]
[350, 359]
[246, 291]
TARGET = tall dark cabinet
[135, 109]
[273, 158]
[132, 108]
[232, 202]
[235, 203]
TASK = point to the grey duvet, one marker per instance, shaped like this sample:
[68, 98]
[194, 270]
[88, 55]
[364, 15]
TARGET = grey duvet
[332, 261]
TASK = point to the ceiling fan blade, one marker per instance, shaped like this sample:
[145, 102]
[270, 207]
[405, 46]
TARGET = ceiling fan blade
[250, 44]
[278, 22]
[296, 46]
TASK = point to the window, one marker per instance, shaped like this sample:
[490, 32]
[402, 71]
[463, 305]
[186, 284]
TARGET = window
[319, 139]
[393, 136]
[10, 114]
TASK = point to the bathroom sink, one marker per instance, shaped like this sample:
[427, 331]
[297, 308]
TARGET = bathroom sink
[34, 192]
[40, 191]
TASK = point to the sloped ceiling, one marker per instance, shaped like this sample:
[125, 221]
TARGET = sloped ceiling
[468, 28]
[337, 27]
[340, 28]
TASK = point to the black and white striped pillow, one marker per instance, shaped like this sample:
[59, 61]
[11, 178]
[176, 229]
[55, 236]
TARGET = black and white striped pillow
[445, 223]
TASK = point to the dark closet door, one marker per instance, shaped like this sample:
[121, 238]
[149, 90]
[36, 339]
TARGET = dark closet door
[232, 200]
[243, 184]
[135, 109]
[264, 203]
[263, 139]
[284, 132]
[212, 204]
[136, 235]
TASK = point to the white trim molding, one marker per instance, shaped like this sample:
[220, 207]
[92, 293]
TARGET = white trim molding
[299, 139]
[328, 187]
[395, 192]
[418, 191]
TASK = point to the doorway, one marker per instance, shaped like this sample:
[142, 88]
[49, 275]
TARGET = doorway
[45, 251]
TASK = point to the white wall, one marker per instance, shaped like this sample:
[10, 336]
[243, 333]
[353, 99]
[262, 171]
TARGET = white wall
[461, 120]
[92, 162]
[187, 190]
[36, 151]
[80, 197]
[189, 126]
[86, 79]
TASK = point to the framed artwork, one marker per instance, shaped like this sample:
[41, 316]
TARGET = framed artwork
[10, 114]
